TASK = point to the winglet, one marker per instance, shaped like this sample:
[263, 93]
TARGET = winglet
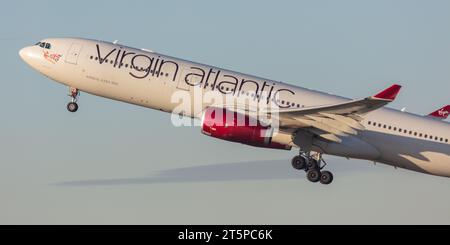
[389, 93]
[441, 113]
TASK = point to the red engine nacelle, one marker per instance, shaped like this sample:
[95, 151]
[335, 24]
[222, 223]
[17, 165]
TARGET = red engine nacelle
[232, 126]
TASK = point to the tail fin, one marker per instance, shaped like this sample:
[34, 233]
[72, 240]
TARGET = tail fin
[441, 113]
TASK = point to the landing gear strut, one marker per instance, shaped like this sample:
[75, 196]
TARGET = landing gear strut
[312, 164]
[73, 106]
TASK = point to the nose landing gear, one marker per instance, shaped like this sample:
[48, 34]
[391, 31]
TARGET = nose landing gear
[312, 164]
[73, 106]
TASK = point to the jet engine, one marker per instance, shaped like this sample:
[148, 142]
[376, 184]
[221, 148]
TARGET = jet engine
[233, 126]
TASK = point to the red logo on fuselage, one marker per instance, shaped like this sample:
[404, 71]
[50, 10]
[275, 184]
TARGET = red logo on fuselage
[53, 58]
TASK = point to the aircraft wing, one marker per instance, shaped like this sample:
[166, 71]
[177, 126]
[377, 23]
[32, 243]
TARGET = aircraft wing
[332, 122]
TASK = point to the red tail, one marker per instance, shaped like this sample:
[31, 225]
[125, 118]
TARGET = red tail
[441, 113]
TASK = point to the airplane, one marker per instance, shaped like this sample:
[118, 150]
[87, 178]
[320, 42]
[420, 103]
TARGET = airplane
[258, 112]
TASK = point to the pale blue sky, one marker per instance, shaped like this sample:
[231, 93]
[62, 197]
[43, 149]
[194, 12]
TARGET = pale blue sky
[113, 163]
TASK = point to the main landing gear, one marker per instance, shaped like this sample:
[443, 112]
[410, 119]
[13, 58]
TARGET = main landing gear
[312, 164]
[73, 106]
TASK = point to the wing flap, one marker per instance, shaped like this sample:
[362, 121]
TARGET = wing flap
[354, 123]
[335, 124]
[322, 126]
[325, 135]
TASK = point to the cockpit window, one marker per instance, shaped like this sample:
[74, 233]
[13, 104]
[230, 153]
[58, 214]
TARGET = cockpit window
[44, 45]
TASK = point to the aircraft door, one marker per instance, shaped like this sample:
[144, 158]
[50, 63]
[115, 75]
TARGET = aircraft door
[73, 53]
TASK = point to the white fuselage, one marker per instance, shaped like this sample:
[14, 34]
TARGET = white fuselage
[150, 79]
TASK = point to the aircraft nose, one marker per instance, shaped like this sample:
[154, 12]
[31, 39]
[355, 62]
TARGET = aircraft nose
[30, 55]
[25, 54]
[22, 53]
